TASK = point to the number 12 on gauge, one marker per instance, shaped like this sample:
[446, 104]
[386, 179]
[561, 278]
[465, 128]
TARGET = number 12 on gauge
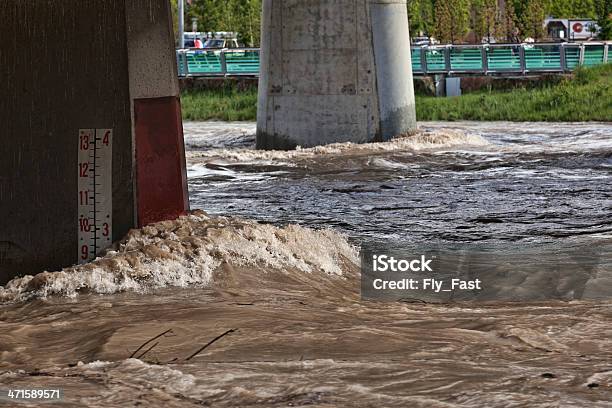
[94, 198]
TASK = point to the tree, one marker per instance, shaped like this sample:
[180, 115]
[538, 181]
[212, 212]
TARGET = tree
[571, 8]
[520, 9]
[560, 8]
[240, 16]
[427, 16]
[248, 21]
[421, 16]
[451, 20]
[174, 8]
[583, 9]
[533, 19]
[604, 18]
[509, 23]
[476, 18]
[212, 15]
[485, 19]
[414, 17]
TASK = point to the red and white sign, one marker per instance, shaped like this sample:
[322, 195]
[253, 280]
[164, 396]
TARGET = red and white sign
[582, 29]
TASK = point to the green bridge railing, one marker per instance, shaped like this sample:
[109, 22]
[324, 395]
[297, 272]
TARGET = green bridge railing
[491, 59]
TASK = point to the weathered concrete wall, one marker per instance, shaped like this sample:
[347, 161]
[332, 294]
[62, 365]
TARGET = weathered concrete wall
[320, 81]
[63, 66]
[67, 65]
[150, 42]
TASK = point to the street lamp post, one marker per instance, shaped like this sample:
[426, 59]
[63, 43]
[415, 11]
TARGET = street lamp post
[181, 23]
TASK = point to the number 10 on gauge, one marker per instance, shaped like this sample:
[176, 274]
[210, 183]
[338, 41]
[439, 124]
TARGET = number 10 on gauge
[94, 196]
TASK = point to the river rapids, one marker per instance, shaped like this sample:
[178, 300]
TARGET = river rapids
[253, 299]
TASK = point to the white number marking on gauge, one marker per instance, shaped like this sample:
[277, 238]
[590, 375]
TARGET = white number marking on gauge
[95, 201]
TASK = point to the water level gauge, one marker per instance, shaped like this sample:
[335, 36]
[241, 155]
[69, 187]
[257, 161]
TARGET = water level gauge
[95, 202]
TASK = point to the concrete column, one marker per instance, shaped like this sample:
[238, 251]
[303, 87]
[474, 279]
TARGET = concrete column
[393, 67]
[334, 71]
[161, 183]
[67, 65]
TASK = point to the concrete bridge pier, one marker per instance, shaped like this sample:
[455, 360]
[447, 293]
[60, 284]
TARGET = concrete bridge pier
[334, 71]
[91, 131]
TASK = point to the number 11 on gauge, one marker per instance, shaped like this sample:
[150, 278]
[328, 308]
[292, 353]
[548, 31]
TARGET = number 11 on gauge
[95, 204]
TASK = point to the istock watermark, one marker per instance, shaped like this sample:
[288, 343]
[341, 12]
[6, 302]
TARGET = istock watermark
[384, 263]
[496, 272]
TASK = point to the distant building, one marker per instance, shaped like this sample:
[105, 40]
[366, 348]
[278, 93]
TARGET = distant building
[563, 29]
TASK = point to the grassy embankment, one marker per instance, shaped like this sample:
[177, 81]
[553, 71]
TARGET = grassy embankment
[585, 97]
[227, 104]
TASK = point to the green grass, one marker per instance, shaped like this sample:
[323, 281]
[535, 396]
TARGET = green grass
[220, 104]
[585, 97]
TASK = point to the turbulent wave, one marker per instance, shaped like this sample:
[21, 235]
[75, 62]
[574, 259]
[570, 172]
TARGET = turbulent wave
[437, 139]
[188, 251]
[218, 134]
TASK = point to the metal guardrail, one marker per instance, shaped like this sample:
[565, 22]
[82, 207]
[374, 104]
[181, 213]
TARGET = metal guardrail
[507, 58]
[218, 62]
[489, 59]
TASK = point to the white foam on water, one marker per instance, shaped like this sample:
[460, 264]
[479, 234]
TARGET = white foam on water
[568, 137]
[390, 164]
[423, 140]
[140, 373]
[214, 134]
[230, 175]
[94, 364]
[187, 252]
[509, 136]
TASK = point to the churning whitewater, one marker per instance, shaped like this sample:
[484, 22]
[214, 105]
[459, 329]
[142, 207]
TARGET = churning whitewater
[253, 299]
[187, 252]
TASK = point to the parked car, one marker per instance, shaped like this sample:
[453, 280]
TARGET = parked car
[423, 41]
[222, 43]
[190, 38]
[215, 45]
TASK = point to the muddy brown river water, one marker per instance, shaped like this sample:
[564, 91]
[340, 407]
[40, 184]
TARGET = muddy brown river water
[257, 303]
